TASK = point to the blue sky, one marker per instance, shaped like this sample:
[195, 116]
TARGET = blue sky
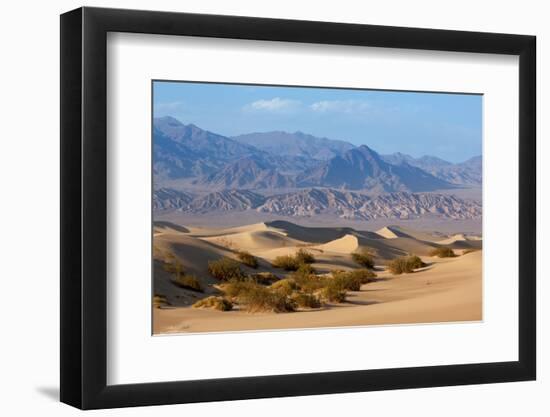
[445, 125]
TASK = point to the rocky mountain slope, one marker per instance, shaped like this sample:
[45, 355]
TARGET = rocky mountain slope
[319, 201]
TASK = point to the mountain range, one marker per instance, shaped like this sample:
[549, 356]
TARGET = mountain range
[280, 160]
[321, 201]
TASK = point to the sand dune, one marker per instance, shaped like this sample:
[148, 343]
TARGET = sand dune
[448, 289]
[453, 239]
[346, 244]
[259, 240]
[387, 233]
[168, 227]
[211, 232]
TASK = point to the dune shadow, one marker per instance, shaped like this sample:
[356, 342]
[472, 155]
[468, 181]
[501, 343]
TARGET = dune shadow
[177, 227]
[361, 302]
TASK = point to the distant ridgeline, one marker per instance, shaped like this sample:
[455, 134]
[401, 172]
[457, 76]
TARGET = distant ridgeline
[296, 174]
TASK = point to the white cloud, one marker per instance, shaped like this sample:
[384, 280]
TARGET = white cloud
[168, 108]
[276, 104]
[341, 106]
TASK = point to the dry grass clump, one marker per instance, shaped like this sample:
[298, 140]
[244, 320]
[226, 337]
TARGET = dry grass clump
[226, 269]
[286, 262]
[303, 300]
[261, 299]
[189, 282]
[172, 265]
[347, 281]
[304, 257]
[264, 278]
[415, 262]
[333, 292]
[247, 259]
[216, 303]
[443, 253]
[364, 258]
[292, 263]
[160, 301]
[364, 275]
[405, 264]
[254, 298]
[285, 286]
[235, 288]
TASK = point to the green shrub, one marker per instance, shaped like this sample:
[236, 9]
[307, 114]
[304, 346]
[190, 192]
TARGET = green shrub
[188, 281]
[247, 259]
[364, 258]
[443, 253]
[405, 264]
[226, 269]
[216, 303]
[304, 257]
[286, 262]
[302, 300]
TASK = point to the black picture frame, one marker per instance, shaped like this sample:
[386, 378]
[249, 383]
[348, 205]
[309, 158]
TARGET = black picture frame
[84, 207]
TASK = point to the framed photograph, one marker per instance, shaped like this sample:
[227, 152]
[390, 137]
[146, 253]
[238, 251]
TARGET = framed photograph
[259, 208]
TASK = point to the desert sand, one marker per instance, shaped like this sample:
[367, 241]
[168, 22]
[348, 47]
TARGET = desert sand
[447, 289]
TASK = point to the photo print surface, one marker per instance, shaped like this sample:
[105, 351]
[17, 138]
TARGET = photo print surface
[278, 207]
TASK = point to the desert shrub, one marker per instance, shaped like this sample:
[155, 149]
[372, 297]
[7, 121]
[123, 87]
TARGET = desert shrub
[235, 288]
[306, 280]
[333, 292]
[173, 266]
[247, 259]
[226, 269]
[364, 258]
[264, 278]
[286, 262]
[292, 263]
[405, 264]
[253, 297]
[216, 303]
[346, 280]
[364, 275]
[415, 262]
[189, 282]
[304, 257]
[443, 253]
[302, 300]
[285, 286]
[258, 299]
[303, 271]
[159, 301]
